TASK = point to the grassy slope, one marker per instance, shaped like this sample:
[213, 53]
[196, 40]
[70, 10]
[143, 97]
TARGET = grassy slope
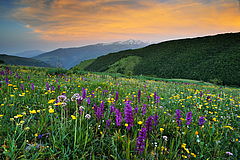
[205, 58]
[125, 65]
[14, 60]
[83, 64]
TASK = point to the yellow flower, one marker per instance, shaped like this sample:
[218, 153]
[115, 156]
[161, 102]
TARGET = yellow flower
[228, 127]
[27, 128]
[35, 134]
[59, 103]
[19, 115]
[161, 129]
[9, 84]
[126, 125]
[100, 132]
[73, 117]
[51, 101]
[1, 115]
[183, 145]
[196, 132]
[32, 111]
[11, 95]
[140, 122]
[51, 110]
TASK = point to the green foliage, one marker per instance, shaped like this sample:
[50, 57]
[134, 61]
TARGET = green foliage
[203, 58]
[55, 71]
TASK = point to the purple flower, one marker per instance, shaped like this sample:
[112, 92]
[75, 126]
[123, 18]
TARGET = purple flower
[155, 95]
[144, 109]
[47, 86]
[102, 105]
[58, 87]
[118, 117]
[2, 72]
[56, 80]
[28, 78]
[22, 87]
[95, 107]
[148, 124]
[155, 118]
[116, 97]
[158, 99]
[92, 95]
[178, 116]
[189, 117]
[6, 80]
[139, 95]
[108, 123]
[83, 93]
[112, 109]
[128, 116]
[88, 100]
[7, 71]
[136, 109]
[99, 113]
[140, 145]
[53, 88]
[148, 97]
[133, 97]
[32, 86]
[201, 93]
[201, 121]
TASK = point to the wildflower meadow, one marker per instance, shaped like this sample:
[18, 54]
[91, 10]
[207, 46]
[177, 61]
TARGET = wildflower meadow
[65, 115]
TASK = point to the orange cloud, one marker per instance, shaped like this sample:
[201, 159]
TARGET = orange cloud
[58, 20]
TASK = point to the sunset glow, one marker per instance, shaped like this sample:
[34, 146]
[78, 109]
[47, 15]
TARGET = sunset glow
[58, 21]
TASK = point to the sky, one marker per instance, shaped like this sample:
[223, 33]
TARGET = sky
[50, 24]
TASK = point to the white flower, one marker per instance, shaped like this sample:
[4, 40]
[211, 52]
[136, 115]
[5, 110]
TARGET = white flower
[165, 138]
[76, 96]
[88, 116]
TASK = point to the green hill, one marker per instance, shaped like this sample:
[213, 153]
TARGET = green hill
[211, 58]
[15, 60]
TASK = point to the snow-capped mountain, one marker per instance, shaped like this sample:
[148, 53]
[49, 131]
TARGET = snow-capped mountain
[69, 57]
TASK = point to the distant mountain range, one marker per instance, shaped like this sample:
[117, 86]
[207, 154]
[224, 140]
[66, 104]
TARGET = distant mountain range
[15, 60]
[29, 54]
[70, 57]
[211, 58]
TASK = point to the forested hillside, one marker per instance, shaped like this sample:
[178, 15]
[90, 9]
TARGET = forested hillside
[210, 58]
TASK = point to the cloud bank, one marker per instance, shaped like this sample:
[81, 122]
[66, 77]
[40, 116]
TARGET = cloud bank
[67, 20]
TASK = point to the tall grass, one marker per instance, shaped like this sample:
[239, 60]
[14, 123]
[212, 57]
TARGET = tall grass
[48, 120]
